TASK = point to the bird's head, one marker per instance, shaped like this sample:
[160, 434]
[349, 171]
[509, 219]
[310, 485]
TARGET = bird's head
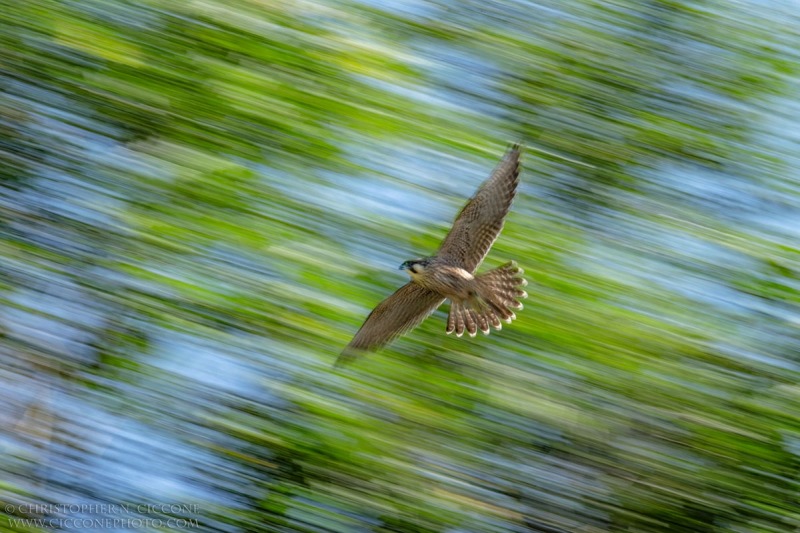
[415, 267]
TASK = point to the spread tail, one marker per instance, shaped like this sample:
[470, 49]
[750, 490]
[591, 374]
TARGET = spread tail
[495, 296]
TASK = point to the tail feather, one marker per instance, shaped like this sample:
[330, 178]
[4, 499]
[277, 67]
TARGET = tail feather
[483, 322]
[471, 320]
[455, 320]
[496, 295]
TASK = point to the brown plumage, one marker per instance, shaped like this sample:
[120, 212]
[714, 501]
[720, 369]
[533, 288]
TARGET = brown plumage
[480, 221]
[496, 294]
[477, 302]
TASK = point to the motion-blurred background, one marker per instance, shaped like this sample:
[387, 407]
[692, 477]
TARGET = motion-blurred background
[201, 200]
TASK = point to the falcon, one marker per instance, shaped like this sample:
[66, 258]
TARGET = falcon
[476, 302]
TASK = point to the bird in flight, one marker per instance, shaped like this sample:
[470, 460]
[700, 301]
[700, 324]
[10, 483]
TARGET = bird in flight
[476, 302]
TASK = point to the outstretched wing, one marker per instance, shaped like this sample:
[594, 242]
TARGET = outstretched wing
[397, 314]
[481, 220]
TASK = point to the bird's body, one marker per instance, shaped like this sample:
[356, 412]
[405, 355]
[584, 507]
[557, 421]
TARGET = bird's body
[477, 302]
[450, 281]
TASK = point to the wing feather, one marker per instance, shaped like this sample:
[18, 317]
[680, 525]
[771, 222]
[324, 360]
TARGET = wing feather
[480, 221]
[397, 314]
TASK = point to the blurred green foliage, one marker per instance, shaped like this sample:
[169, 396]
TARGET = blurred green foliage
[200, 201]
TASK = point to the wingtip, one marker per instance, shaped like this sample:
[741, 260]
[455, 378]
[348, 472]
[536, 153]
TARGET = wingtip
[348, 355]
[345, 357]
[342, 360]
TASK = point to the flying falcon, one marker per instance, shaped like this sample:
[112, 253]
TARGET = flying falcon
[476, 302]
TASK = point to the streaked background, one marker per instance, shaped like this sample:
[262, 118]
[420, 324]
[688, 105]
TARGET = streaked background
[201, 200]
